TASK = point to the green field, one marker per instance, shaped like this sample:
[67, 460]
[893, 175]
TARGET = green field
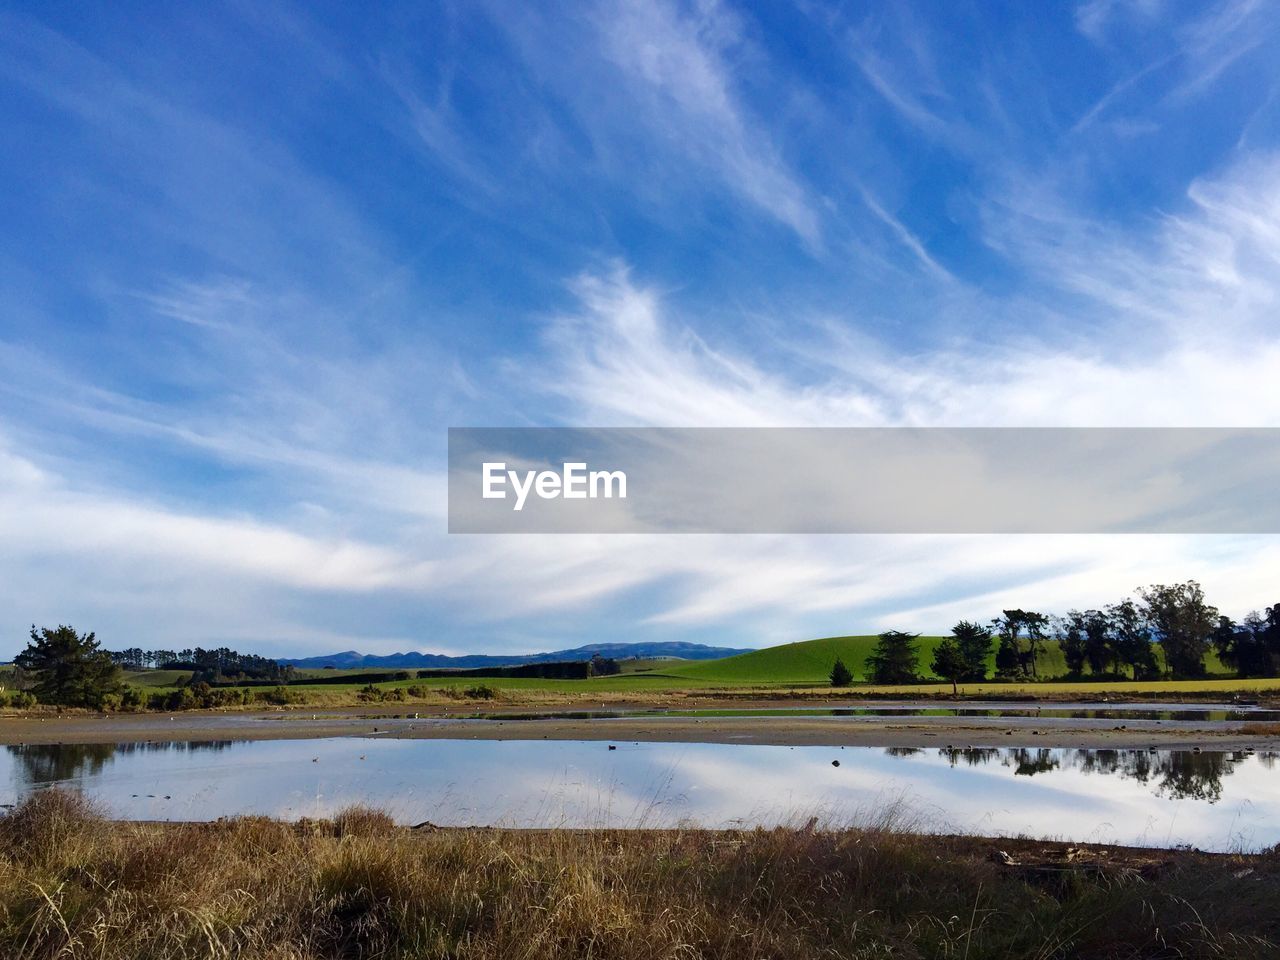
[806, 662]
[810, 661]
[801, 666]
[156, 678]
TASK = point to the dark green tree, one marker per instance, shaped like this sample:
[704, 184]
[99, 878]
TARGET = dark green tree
[1036, 626]
[1271, 636]
[949, 662]
[1246, 646]
[67, 668]
[840, 675]
[1008, 661]
[1182, 622]
[895, 658]
[1097, 641]
[1130, 638]
[1071, 637]
[974, 642]
[1012, 628]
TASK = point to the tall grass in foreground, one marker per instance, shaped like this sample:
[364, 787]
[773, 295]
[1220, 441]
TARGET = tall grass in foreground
[73, 884]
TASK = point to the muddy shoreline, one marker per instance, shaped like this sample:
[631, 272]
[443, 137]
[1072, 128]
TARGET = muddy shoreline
[400, 721]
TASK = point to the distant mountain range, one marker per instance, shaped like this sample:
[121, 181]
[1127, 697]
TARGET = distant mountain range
[352, 659]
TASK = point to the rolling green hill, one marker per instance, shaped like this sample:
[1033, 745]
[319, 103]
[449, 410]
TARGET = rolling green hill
[810, 661]
[156, 678]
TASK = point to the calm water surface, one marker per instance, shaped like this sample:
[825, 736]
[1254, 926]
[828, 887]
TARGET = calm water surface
[1213, 714]
[1215, 801]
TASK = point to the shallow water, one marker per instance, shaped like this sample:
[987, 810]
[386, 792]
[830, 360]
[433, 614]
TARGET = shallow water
[1215, 801]
[1200, 715]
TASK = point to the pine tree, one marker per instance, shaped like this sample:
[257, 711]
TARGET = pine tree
[895, 658]
[974, 642]
[68, 668]
[949, 662]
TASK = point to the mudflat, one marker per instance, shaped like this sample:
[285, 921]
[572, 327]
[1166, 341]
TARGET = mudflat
[410, 721]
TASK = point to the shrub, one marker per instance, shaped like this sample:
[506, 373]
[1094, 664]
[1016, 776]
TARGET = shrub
[22, 700]
[184, 698]
[132, 699]
[481, 692]
[110, 702]
[372, 694]
[282, 696]
[840, 675]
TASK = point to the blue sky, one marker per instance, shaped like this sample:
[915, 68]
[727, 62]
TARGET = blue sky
[258, 258]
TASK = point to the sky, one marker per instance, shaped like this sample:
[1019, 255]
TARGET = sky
[258, 257]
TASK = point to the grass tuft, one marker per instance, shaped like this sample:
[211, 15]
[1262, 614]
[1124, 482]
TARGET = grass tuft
[73, 884]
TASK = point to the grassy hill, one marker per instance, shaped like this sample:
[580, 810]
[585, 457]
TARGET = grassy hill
[156, 678]
[810, 661]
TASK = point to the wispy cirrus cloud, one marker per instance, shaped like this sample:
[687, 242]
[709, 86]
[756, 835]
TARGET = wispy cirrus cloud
[677, 64]
[1178, 320]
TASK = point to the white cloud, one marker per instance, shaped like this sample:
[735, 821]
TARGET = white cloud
[678, 59]
[1179, 331]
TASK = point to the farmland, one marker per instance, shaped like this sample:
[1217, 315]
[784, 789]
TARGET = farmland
[798, 669]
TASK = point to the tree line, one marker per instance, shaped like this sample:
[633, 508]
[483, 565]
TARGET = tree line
[1166, 630]
[210, 666]
[63, 667]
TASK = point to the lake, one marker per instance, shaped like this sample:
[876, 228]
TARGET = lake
[1211, 800]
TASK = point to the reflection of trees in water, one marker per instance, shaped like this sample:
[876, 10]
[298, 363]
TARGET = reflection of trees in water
[52, 763]
[1027, 762]
[1178, 774]
[902, 751]
[1197, 775]
[970, 756]
[55, 762]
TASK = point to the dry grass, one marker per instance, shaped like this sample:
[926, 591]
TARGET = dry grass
[1261, 729]
[74, 885]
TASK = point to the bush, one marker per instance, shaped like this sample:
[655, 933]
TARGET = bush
[184, 698]
[109, 702]
[372, 694]
[282, 696]
[22, 700]
[201, 696]
[481, 692]
[840, 675]
[132, 699]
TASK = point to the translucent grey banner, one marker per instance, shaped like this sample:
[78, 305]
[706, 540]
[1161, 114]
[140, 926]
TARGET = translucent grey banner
[863, 480]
